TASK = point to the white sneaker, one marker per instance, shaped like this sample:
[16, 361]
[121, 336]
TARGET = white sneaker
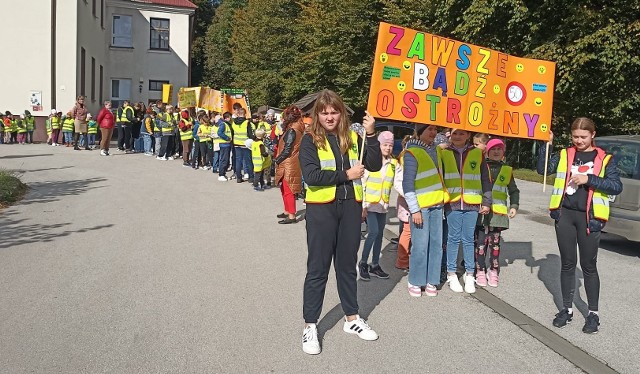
[310, 343]
[359, 326]
[222, 178]
[160, 158]
[246, 176]
[469, 283]
[454, 283]
[103, 153]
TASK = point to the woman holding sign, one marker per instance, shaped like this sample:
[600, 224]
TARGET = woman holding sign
[329, 158]
[585, 175]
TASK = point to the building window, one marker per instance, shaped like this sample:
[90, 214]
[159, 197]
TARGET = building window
[121, 32]
[83, 73]
[93, 8]
[159, 33]
[93, 79]
[120, 91]
[156, 85]
[100, 88]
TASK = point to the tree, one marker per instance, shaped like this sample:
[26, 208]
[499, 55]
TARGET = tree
[262, 48]
[219, 70]
[203, 18]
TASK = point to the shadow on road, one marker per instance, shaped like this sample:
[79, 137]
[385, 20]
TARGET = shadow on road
[25, 156]
[46, 192]
[370, 293]
[620, 245]
[46, 169]
[15, 232]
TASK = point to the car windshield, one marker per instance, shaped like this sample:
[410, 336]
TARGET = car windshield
[625, 153]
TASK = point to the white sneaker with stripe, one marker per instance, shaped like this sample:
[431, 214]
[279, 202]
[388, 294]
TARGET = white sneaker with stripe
[359, 326]
[310, 343]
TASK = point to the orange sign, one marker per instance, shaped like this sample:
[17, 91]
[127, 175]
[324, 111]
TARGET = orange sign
[424, 78]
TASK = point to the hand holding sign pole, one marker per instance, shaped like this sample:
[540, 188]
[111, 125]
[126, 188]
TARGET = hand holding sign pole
[369, 124]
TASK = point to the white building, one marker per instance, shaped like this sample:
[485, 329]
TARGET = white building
[103, 49]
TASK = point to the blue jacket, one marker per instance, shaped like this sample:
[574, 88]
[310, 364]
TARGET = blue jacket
[196, 125]
[221, 128]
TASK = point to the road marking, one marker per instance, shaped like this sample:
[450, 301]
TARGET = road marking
[555, 342]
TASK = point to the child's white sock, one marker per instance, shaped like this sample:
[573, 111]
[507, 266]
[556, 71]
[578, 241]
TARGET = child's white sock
[594, 312]
[570, 310]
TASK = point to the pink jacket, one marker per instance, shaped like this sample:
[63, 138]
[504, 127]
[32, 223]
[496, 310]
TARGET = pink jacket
[79, 112]
[402, 207]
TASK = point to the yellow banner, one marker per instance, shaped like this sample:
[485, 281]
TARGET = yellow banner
[211, 99]
[424, 78]
[167, 93]
[187, 98]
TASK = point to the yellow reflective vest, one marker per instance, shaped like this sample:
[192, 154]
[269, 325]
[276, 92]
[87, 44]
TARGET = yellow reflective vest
[597, 199]
[260, 162]
[188, 134]
[68, 125]
[123, 114]
[500, 190]
[327, 194]
[227, 132]
[467, 185]
[240, 133]
[31, 123]
[429, 186]
[168, 127]
[205, 129]
[21, 126]
[55, 123]
[378, 187]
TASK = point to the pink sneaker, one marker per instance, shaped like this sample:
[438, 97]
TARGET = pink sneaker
[431, 290]
[493, 278]
[481, 278]
[414, 290]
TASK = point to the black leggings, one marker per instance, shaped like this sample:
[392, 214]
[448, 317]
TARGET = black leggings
[571, 228]
[333, 233]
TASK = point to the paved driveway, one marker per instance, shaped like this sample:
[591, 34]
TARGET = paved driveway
[127, 264]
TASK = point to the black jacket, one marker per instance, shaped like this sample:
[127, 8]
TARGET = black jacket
[289, 141]
[315, 176]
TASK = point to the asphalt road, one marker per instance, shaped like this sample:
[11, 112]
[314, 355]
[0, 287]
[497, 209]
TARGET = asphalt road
[126, 264]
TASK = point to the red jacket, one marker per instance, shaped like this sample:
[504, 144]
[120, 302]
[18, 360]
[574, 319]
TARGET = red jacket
[105, 119]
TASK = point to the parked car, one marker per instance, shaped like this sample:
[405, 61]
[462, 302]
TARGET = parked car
[624, 219]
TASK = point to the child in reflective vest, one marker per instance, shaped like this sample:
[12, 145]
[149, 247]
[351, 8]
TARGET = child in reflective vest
[493, 223]
[261, 160]
[377, 189]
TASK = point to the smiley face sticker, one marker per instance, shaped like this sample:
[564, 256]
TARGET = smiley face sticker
[406, 65]
[544, 127]
[542, 69]
[384, 58]
[519, 68]
[402, 86]
[496, 89]
[537, 101]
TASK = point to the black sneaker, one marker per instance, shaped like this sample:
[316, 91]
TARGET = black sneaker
[364, 271]
[378, 272]
[591, 324]
[562, 318]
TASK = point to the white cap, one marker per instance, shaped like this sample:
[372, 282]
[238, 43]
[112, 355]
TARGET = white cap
[53, 111]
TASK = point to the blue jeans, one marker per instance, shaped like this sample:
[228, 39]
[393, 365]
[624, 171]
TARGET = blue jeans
[426, 248]
[243, 162]
[156, 144]
[68, 137]
[375, 225]
[216, 161]
[146, 140]
[92, 139]
[462, 224]
[225, 152]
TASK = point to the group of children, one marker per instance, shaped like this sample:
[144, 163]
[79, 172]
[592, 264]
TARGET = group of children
[16, 129]
[60, 130]
[451, 192]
